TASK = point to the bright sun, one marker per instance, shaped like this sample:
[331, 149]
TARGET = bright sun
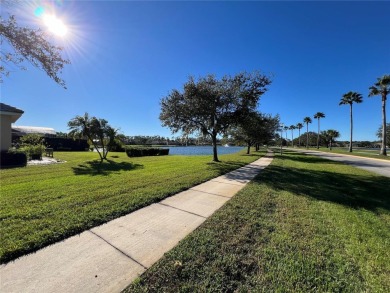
[55, 25]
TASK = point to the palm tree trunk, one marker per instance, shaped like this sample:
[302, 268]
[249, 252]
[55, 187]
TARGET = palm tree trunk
[292, 138]
[299, 138]
[307, 135]
[383, 146]
[350, 139]
[318, 135]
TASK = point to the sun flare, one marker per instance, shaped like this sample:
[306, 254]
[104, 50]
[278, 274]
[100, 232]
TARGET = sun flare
[55, 25]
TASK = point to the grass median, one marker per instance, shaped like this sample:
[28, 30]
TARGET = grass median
[305, 224]
[358, 152]
[40, 205]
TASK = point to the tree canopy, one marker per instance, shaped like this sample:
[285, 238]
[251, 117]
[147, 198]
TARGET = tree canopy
[380, 130]
[31, 45]
[210, 105]
[255, 128]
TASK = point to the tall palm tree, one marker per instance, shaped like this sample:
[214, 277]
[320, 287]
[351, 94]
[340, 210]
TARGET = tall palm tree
[292, 127]
[317, 116]
[350, 98]
[382, 88]
[299, 127]
[307, 120]
[285, 129]
[331, 134]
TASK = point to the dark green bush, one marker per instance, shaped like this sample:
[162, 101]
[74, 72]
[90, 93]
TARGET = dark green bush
[13, 159]
[66, 144]
[142, 152]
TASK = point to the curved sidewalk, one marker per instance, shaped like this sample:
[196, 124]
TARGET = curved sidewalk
[109, 257]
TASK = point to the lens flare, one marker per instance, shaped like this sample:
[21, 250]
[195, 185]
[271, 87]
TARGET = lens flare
[55, 25]
[39, 11]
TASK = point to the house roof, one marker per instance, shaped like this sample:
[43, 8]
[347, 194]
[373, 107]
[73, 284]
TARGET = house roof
[32, 129]
[9, 109]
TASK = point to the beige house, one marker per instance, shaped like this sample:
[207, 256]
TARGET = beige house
[8, 115]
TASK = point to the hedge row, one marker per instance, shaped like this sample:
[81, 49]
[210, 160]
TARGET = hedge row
[8, 159]
[63, 143]
[66, 144]
[142, 152]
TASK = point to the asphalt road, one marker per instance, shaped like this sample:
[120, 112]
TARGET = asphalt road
[381, 167]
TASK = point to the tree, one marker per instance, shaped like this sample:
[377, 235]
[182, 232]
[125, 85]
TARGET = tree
[299, 127]
[379, 133]
[210, 106]
[330, 135]
[307, 120]
[254, 129]
[285, 128]
[350, 98]
[382, 88]
[30, 45]
[317, 116]
[292, 127]
[97, 130]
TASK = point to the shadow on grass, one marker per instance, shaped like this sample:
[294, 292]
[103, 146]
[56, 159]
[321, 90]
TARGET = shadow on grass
[355, 191]
[94, 168]
[225, 166]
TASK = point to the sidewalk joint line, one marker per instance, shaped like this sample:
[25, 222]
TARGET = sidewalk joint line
[122, 252]
[212, 193]
[236, 184]
[169, 206]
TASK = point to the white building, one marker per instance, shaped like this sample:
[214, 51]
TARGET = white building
[8, 115]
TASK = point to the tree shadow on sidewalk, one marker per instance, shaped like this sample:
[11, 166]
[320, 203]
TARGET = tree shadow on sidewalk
[104, 168]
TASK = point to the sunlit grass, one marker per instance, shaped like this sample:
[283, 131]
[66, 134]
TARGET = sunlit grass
[360, 152]
[304, 224]
[40, 205]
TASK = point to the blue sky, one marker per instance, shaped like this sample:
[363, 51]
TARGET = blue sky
[127, 55]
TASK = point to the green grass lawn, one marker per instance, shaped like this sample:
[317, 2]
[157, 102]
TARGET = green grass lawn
[304, 224]
[40, 205]
[360, 152]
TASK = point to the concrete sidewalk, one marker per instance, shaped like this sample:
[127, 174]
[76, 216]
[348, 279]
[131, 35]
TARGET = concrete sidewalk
[109, 257]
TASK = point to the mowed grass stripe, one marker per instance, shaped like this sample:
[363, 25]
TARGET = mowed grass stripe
[40, 205]
[304, 224]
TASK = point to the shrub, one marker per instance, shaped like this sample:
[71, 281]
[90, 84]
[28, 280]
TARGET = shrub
[67, 144]
[141, 152]
[116, 146]
[33, 145]
[13, 159]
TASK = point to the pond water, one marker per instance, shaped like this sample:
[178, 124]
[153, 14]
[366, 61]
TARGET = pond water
[202, 150]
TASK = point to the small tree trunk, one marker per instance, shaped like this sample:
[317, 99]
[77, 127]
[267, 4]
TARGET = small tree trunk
[383, 146]
[248, 150]
[215, 153]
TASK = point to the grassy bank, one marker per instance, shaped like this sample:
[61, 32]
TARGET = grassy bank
[40, 205]
[359, 152]
[303, 225]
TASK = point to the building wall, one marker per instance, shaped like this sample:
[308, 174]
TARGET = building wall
[5, 129]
